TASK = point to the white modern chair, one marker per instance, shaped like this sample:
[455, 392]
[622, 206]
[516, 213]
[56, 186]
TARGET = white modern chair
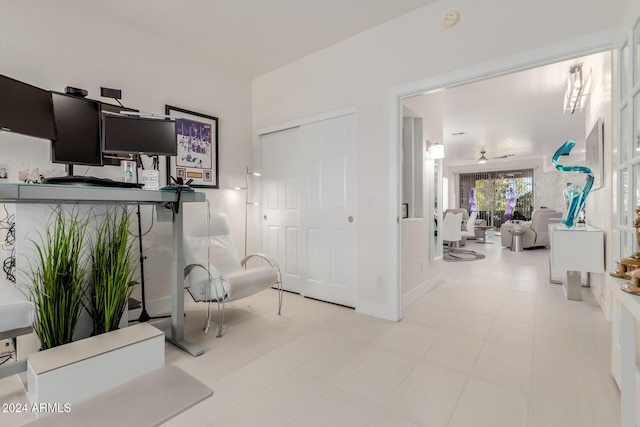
[470, 232]
[451, 229]
[214, 272]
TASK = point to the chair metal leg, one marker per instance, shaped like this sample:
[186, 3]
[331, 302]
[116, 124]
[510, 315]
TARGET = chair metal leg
[280, 290]
[220, 318]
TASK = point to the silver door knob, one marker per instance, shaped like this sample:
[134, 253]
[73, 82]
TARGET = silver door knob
[265, 217]
[350, 219]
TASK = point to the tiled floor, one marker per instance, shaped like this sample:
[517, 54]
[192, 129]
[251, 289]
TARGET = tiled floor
[493, 345]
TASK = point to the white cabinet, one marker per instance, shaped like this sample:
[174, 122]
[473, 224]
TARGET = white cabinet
[624, 349]
[576, 250]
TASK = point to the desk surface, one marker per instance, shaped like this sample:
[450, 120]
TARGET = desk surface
[71, 194]
[48, 193]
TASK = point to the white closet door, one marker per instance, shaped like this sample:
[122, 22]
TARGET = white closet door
[314, 223]
[328, 223]
[281, 203]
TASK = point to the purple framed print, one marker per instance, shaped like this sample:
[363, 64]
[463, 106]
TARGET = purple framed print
[197, 141]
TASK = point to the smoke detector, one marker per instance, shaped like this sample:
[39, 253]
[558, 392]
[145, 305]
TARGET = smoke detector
[451, 19]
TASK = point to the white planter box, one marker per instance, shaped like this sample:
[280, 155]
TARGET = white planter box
[82, 369]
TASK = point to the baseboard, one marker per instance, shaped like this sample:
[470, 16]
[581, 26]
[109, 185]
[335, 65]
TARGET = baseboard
[416, 293]
[382, 311]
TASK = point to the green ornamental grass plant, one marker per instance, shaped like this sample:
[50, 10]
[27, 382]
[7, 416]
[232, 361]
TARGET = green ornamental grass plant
[111, 279]
[58, 280]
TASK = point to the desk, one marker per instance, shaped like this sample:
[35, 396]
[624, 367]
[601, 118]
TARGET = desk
[71, 194]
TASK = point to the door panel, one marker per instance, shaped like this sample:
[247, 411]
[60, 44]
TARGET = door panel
[309, 188]
[329, 151]
[280, 212]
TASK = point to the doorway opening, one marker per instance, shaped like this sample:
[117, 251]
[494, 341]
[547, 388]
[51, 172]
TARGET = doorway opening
[497, 117]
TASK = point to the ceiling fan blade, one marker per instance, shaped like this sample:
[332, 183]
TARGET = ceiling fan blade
[502, 157]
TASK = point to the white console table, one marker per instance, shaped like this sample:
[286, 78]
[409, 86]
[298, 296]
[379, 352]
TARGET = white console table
[166, 200]
[625, 321]
[575, 250]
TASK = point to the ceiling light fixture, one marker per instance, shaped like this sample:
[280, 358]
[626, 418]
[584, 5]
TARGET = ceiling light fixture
[482, 158]
[435, 150]
[578, 89]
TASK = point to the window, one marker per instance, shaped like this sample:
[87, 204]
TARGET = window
[628, 142]
[498, 196]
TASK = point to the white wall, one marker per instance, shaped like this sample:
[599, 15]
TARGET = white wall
[599, 202]
[362, 70]
[421, 267]
[64, 43]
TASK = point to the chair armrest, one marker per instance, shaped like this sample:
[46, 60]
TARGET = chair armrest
[213, 276]
[272, 262]
[213, 273]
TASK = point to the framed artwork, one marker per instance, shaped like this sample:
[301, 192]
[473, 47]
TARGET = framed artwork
[594, 150]
[197, 139]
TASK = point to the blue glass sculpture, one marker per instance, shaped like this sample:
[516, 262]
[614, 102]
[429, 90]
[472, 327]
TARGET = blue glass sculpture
[574, 197]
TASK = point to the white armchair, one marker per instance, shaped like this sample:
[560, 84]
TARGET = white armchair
[536, 232]
[214, 272]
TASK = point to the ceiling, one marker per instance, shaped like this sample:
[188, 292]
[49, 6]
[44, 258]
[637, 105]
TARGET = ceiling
[519, 114]
[253, 37]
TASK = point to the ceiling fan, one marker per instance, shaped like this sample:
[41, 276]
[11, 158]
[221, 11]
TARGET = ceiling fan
[483, 158]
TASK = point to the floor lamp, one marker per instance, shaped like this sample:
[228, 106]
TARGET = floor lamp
[247, 203]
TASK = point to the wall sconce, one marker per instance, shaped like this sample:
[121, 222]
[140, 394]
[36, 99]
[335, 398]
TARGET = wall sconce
[578, 89]
[435, 150]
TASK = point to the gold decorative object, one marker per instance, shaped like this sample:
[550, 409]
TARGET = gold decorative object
[628, 265]
[633, 287]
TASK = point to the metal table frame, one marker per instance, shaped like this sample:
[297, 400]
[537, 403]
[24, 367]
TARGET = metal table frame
[169, 200]
[484, 229]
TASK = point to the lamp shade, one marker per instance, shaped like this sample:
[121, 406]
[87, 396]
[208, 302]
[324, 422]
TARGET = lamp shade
[436, 151]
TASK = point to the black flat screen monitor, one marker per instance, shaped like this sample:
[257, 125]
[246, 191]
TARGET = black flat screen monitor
[26, 109]
[138, 135]
[110, 109]
[78, 130]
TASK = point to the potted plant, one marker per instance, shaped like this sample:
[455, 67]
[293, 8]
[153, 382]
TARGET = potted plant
[111, 279]
[58, 279]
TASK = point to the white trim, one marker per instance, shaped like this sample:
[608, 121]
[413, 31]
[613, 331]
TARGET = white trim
[496, 167]
[592, 43]
[381, 311]
[394, 248]
[415, 294]
[586, 45]
[327, 115]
